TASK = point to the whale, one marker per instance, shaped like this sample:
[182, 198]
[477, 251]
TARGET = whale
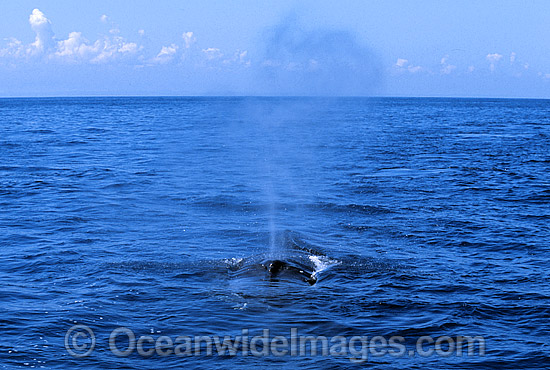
[277, 268]
[281, 267]
[292, 260]
[274, 269]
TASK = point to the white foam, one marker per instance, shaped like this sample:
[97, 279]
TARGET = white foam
[233, 261]
[322, 263]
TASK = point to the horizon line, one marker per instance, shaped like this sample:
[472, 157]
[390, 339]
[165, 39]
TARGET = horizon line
[273, 96]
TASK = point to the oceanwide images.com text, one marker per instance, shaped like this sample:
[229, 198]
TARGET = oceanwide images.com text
[80, 341]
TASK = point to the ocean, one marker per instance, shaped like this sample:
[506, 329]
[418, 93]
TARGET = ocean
[310, 233]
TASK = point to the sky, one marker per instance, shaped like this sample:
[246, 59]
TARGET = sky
[254, 47]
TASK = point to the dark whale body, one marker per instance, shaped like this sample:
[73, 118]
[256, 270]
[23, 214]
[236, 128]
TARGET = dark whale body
[292, 260]
[275, 268]
[288, 267]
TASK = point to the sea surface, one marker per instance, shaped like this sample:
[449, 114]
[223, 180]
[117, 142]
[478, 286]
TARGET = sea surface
[392, 217]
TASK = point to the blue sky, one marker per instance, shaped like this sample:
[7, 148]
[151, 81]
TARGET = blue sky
[390, 48]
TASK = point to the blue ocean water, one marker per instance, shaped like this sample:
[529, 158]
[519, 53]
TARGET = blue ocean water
[415, 217]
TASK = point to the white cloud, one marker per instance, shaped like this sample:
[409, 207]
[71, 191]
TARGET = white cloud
[44, 35]
[168, 50]
[446, 68]
[76, 47]
[402, 65]
[15, 48]
[212, 53]
[241, 57]
[188, 39]
[415, 69]
[38, 19]
[244, 60]
[111, 47]
[114, 48]
[401, 62]
[471, 69]
[518, 66]
[128, 47]
[493, 59]
[166, 54]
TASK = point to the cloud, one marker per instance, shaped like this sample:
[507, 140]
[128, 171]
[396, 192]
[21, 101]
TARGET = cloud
[238, 58]
[415, 69]
[446, 68]
[188, 39]
[168, 50]
[243, 57]
[76, 47]
[44, 35]
[212, 53]
[402, 65]
[113, 48]
[517, 66]
[401, 62]
[471, 69]
[15, 49]
[166, 54]
[128, 47]
[493, 59]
